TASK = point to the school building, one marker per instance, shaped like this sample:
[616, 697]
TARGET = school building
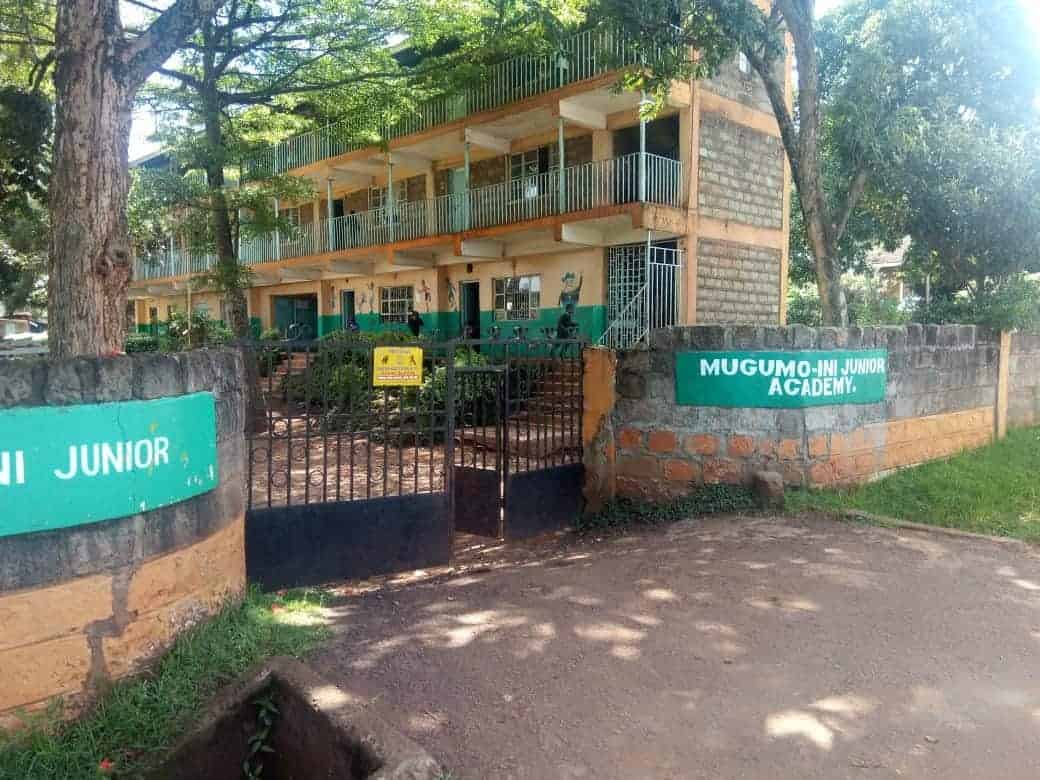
[495, 210]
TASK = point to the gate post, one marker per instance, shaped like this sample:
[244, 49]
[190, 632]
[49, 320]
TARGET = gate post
[449, 435]
[597, 427]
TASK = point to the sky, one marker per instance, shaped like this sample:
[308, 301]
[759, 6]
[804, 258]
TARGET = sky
[144, 120]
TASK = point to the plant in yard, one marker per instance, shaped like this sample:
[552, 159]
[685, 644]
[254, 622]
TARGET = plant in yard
[623, 513]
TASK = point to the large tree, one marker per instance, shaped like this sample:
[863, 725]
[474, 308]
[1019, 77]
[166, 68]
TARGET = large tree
[99, 67]
[264, 60]
[866, 78]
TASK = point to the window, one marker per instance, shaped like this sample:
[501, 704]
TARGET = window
[395, 303]
[202, 308]
[518, 297]
[377, 195]
[744, 64]
[292, 215]
[524, 168]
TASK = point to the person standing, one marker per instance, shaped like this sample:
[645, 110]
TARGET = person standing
[415, 323]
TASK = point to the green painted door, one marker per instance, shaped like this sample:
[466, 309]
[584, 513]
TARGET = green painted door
[296, 316]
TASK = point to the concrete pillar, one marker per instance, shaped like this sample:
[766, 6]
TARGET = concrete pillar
[561, 154]
[390, 206]
[469, 186]
[1003, 385]
[642, 150]
[597, 428]
[329, 225]
[277, 234]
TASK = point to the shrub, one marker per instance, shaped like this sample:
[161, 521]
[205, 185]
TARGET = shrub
[1013, 303]
[141, 343]
[705, 500]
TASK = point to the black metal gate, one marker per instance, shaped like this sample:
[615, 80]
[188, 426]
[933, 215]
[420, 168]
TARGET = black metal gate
[347, 480]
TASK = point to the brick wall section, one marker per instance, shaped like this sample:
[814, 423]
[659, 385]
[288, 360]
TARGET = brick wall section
[1024, 380]
[741, 174]
[748, 89]
[939, 400]
[87, 604]
[737, 283]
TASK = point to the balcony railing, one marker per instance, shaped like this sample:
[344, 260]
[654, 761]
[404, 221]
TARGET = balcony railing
[582, 56]
[588, 186]
[172, 262]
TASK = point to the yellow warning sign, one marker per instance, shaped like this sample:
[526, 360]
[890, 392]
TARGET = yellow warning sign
[397, 367]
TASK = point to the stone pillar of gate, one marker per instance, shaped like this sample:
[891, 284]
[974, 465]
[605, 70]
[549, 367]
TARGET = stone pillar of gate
[600, 454]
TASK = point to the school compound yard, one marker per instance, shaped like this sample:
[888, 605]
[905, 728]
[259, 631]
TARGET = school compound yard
[750, 648]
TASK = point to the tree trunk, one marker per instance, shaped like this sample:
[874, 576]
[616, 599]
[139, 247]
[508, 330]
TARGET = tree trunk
[90, 252]
[833, 308]
[234, 294]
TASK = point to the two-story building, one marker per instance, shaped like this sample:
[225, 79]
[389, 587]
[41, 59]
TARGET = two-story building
[537, 190]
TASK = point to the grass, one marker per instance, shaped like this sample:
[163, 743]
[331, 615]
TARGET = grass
[994, 490]
[134, 725]
[623, 513]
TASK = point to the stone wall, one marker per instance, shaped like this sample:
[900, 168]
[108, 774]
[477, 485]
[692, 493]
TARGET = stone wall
[83, 605]
[741, 174]
[940, 399]
[737, 283]
[1024, 380]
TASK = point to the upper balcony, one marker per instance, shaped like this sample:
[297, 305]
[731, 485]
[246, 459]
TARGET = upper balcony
[583, 56]
[605, 191]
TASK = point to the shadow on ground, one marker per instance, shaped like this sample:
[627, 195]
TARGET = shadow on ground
[751, 648]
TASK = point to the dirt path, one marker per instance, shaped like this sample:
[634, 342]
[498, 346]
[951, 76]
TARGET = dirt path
[723, 649]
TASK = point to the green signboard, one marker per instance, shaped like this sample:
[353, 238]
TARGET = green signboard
[68, 465]
[777, 380]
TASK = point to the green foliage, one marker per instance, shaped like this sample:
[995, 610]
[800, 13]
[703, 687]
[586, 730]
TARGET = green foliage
[1013, 304]
[139, 342]
[199, 331]
[137, 722]
[867, 305]
[992, 490]
[259, 741]
[803, 305]
[623, 513]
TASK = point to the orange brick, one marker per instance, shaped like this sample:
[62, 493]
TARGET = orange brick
[147, 637]
[822, 474]
[818, 446]
[662, 441]
[865, 464]
[789, 449]
[701, 444]
[208, 570]
[638, 466]
[32, 616]
[630, 439]
[740, 446]
[680, 471]
[718, 470]
[36, 672]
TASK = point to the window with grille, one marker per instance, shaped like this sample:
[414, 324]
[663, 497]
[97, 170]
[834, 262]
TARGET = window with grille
[292, 216]
[524, 170]
[377, 195]
[518, 297]
[395, 303]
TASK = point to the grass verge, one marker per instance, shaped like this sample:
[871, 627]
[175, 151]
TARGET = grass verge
[625, 513]
[134, 725]
[994, 490]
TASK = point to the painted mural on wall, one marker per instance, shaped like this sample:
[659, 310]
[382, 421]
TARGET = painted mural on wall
[571, 292]
[426, 293]
[452, 299]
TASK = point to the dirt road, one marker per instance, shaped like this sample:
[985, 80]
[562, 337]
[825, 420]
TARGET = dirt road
[720, 649]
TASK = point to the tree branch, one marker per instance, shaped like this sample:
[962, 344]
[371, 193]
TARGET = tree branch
[163, 37]
[856, 190]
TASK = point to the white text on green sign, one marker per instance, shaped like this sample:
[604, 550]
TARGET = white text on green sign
[781, 379]
[69, 465]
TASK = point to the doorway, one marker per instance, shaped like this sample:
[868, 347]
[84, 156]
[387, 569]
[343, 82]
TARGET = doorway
[348, 308]
[296, 316]
[469, 310]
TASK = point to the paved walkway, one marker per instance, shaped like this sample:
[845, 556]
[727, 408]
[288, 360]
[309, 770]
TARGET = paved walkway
[720, 649]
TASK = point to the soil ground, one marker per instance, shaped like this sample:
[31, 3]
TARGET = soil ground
[727, 648]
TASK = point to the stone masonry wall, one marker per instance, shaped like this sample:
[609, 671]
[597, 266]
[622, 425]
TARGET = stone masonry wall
[1024, 380]
[748, 88]
[737, 283]
[940, 399]
[741, 174]
[83, 605]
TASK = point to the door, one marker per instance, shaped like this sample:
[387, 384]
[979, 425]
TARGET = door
[469, 311]
[458, 205]
[348, 308]
[296, 316]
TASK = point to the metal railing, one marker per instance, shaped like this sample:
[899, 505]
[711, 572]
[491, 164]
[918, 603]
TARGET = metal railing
[173, 262]
[583, 56]
[587, 186]
[644, 292]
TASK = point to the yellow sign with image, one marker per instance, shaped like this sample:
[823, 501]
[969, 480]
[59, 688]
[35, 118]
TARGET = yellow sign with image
[397, 367]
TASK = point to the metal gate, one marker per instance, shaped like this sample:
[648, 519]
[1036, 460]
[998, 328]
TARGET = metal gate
[644, 292]
[517, 465]
[348, 480]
